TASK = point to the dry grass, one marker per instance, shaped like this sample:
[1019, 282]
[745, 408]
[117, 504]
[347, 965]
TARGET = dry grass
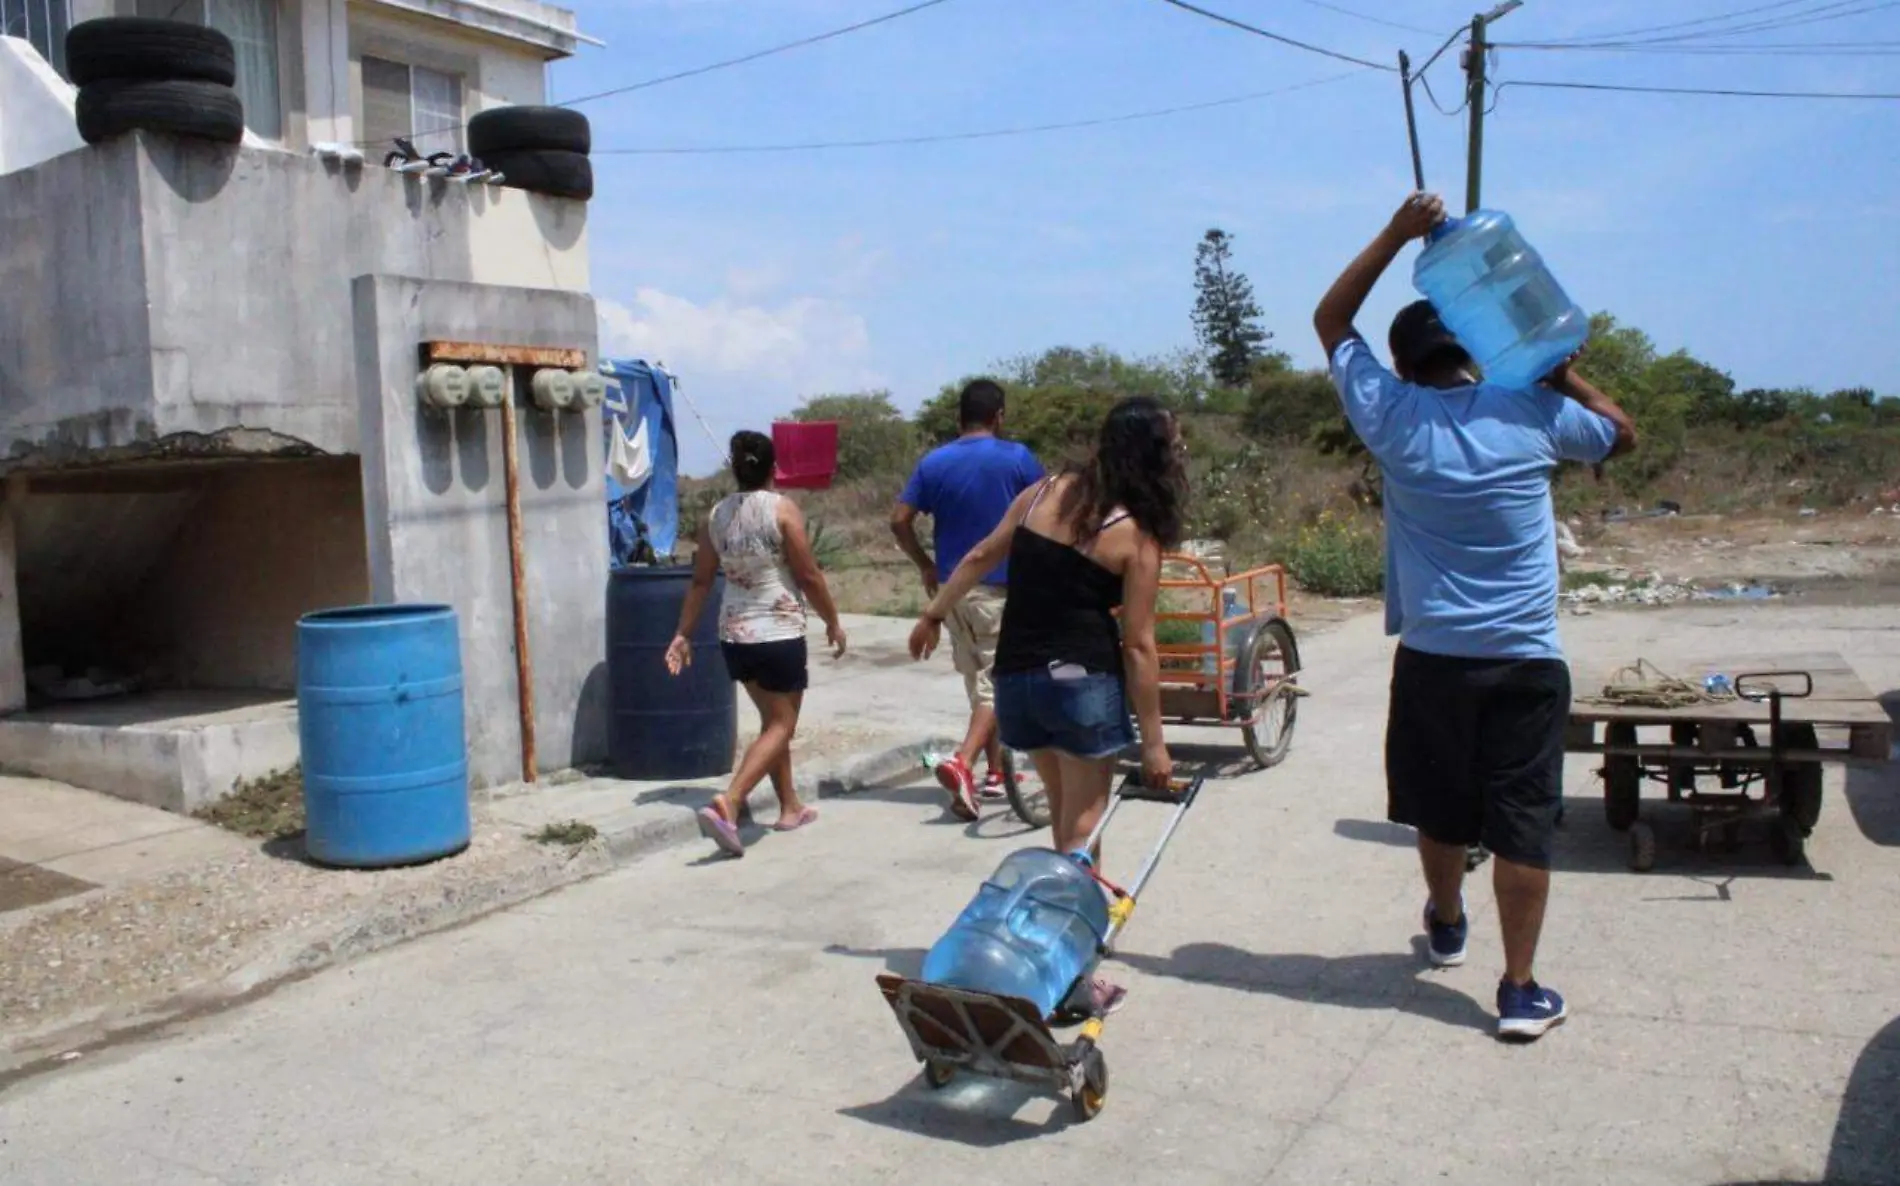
[265, 808]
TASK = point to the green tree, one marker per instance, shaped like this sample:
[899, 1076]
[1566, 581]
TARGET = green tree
[1707, 394]
[874, 438]
[1623, 362]
[1057, 399]
[1285, 403]
[1226, 318]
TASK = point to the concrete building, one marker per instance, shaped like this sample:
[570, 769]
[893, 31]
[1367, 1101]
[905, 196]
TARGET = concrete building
[209, 422]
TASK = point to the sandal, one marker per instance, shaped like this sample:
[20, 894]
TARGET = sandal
[805, 816]
[714, 826]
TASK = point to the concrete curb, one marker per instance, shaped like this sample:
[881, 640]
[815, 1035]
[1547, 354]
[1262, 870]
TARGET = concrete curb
[382, 925]
[862, 772]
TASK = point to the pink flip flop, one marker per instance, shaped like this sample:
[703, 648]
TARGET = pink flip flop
[808, 816]
[715, 827]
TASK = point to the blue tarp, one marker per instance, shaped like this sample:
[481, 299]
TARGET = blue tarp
[638, 391]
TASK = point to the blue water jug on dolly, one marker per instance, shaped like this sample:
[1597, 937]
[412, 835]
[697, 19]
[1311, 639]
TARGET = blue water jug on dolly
[1496, 296]
[1034, 926]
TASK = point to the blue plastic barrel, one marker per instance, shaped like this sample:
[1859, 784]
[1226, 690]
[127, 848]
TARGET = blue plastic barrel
[379, 715]
[661, 726]
[1496, 296]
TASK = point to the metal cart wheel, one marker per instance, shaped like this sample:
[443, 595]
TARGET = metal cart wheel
[1801, 781]
[1785, 837]
[1093, 1092]
[1622, 779]
[1642, 847]
[1272, 654]
[1028, 798]
[938, 1073]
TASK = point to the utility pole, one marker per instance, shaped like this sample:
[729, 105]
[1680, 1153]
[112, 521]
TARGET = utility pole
[1474, 99]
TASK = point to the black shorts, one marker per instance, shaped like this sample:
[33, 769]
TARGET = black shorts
[1474, 751]
[773, 666]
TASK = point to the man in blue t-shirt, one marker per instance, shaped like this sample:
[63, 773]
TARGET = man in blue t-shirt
[967, 487]
[1480, 692]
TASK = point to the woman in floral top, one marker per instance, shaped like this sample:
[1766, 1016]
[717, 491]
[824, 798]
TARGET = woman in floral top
[757, 536]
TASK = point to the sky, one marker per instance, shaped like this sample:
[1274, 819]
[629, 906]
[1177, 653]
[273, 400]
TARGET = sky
[1763, 235]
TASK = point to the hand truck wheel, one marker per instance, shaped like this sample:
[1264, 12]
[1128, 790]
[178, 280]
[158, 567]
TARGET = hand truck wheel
[1093, 1091]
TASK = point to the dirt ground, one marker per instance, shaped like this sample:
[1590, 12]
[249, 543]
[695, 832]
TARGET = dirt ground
[1836, 559]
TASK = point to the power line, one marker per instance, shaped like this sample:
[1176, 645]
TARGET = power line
[753, 57]
[983, 134]
[698, 70]
[1839, 10]
[1259, 32]
[1688, 90]
[1707, 20]
[1370, 18]
[1813, 49]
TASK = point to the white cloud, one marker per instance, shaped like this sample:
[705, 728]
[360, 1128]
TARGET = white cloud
[741, 364]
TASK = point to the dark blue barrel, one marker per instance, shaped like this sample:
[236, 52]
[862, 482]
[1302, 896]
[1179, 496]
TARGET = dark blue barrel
[663, 726]
[379, 715]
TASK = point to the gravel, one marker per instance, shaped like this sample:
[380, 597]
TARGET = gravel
[229, 925]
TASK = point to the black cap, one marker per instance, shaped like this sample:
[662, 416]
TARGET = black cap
[1417, 335]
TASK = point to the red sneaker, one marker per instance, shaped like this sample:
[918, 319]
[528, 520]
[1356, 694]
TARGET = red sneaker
[953, 774]
[994, 789]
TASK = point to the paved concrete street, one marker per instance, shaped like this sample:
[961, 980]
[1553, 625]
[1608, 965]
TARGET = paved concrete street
[687, 1020]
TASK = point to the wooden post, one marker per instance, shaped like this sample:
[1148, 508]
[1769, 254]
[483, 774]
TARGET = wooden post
[524, 664]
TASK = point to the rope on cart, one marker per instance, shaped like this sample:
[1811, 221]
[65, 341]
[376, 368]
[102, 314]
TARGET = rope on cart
[1644, 685]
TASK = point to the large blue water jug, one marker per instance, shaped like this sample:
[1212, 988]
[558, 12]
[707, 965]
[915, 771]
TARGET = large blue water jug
[1032, 928]
[1495, 295]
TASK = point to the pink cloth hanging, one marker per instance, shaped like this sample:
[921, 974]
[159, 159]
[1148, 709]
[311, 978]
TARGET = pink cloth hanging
[807, 454]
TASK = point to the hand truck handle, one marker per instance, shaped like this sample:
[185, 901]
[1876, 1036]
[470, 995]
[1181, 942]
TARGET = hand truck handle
[1180, 792]
[1765, 685]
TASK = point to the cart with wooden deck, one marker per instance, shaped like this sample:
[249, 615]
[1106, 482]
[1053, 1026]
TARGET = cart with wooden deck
[1241, 672]
[1735, 741]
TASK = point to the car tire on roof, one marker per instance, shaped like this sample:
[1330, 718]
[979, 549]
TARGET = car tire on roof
[516, 129]
[202, 110]
[558, 174]
[133, 47]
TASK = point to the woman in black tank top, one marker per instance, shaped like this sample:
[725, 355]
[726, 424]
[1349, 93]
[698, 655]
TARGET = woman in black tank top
[1081, 546]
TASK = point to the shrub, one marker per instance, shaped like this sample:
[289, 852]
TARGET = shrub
[1337, 556]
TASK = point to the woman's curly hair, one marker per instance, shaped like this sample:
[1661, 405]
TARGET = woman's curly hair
[1138, 466]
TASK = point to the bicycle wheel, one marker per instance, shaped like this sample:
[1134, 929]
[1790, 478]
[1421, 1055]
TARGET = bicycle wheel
[1027, 797]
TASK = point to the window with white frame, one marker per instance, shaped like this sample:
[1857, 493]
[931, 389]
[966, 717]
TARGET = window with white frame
[414, 102]
[252, 27]
[42, 23]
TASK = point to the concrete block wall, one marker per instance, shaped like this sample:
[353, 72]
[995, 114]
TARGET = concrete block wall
[438, 531]
[130, 332]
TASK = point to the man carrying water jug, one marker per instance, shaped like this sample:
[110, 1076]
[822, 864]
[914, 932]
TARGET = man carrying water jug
[1480, 692]
[967, 487]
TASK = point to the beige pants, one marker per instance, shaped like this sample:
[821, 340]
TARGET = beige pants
[974, 627]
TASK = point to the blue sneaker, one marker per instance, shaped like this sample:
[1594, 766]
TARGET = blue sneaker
[1528, 1012]
[1447, 942]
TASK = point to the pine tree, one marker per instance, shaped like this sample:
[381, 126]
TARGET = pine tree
[1226, 319]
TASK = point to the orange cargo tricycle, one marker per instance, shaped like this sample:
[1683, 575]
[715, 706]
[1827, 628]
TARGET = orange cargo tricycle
[1239, 667]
